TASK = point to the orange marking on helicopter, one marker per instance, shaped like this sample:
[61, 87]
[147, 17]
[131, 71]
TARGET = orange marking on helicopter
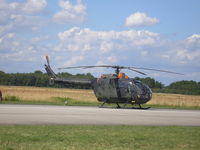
[122, 75]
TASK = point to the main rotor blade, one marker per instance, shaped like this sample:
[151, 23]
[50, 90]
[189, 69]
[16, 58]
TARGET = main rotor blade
[85, 67]
[123, 67]
[157, 70]
[137, 71]
[72, 67]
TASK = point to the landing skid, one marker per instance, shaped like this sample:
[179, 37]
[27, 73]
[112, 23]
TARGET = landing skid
[124, 107]
[102, 105]
[140, 107]
[118, 106]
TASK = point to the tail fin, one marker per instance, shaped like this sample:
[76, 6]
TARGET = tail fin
[49, 70]
[47, 58]
[55, 79]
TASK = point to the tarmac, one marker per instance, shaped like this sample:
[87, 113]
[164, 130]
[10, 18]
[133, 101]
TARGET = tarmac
[16, 114]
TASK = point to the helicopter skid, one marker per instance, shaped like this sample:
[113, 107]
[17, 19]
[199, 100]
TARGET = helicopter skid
[124, 107]
[143, 108]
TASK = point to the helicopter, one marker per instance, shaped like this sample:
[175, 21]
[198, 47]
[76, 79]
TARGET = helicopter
[115, 88]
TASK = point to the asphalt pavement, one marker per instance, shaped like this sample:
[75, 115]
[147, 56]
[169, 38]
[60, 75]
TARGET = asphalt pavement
[81, 115]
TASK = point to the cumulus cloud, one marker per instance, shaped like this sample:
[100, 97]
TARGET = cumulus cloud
[17, 16]
[13, 48]
[20, 17]
[72, 61]
[34, 6]
[184, 52]
[70, 14]
[191, 49]
[193, 41]
[140, 19]
[77, 39]
[105, 47]
[28, 7]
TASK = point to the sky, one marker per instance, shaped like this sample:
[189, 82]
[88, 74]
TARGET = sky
[141, 33]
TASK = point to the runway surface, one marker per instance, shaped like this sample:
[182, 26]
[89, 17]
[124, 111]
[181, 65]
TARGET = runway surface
[44, 114]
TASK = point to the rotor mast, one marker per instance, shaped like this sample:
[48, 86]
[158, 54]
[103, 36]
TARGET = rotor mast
[117, 70]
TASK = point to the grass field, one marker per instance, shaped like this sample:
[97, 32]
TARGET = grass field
[99, 137]
[87, 97]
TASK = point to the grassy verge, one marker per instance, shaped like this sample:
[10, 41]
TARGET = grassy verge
[52, 101]
[99, 137]
[73, 102]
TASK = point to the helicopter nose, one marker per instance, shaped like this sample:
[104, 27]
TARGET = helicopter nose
[148, 96]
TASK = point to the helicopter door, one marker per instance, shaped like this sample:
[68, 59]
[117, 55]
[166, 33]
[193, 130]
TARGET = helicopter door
[112, 88]
[106, 89]
[125, 89]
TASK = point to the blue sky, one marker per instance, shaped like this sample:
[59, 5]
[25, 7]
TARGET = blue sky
[156, 34]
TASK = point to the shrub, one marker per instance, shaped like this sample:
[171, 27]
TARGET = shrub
[11, 98]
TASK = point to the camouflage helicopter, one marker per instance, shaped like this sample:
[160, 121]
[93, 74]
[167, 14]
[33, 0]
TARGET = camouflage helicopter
[115, 88]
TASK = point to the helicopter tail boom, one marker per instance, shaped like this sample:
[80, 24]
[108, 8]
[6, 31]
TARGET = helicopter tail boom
[55, 79]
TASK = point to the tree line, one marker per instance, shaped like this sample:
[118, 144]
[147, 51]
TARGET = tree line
[40, 79]
[179, 87]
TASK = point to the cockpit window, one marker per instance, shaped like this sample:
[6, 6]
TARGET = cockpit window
[142, 86]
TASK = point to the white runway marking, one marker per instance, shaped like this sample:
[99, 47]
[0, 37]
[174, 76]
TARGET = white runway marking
[43, 114]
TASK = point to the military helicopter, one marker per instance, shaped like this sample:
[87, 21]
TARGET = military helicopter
[115, 88]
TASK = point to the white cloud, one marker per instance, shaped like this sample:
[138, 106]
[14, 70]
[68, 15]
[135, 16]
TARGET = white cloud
[185, 52]
[72, 61]
[16, 16]
[193, 42]
[76, 39]
[15, 49]
[70, 14]
[184, 56]
[106, 47]
[193, 37]
[34, 6]
[7, 40]
[140, 19]
[112, 59]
